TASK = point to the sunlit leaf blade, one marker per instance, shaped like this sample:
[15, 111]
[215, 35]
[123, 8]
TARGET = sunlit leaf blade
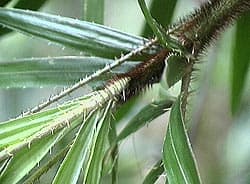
[146, 115]
[90, 38]
[54, 71]
[71, 166]
[80, 108]
[154, 173]
[162, 11]
[14, 131]
[44, 168]
[22, 4]
[27, 158]
[72, 115]
[240, 60]
[94, 165]
[178, 158]
[93, 11]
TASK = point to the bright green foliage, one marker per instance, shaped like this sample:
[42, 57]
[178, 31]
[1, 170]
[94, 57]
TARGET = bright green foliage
[80, 150]
[90, 12]
[45, 167]
[154, 173]
[97, 150]
[240, 61]
[178, 157]
[28, 158]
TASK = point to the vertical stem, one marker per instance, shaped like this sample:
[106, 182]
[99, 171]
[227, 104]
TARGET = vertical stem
[185, 83]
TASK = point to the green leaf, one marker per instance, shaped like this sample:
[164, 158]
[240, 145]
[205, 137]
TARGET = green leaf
[114, 154]
[240, 61]
[45, 167]
[90, 38]
[159, 31]
[162, 11]
[94, 165]
[71, 166]
[68, 113]
[154, 173]
[14, 131]
[155, 26]
[52, 71]
[146, 115]
[178, 158]
[93, 11]
[27, 158]
[177, 67]
[22, 4]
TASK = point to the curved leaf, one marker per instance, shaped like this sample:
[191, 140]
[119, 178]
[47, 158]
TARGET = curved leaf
[71, 166]
[178, 158]
[45, 167]
[27, 158]
[90, 38]
[147, 114]
[240, 61]
[37, 72]
[154, 173]
[94, 165]
[14, 131]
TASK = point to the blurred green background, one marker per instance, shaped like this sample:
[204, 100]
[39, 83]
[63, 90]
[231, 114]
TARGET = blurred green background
[221, 142]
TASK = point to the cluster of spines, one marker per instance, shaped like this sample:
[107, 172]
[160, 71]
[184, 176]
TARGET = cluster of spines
[197, 30]
[143, 75]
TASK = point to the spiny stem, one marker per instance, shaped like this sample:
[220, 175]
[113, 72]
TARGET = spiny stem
[89, 78]
[196, 31]
[184, 89]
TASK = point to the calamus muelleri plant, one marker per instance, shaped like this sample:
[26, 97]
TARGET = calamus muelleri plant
[87, 125]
